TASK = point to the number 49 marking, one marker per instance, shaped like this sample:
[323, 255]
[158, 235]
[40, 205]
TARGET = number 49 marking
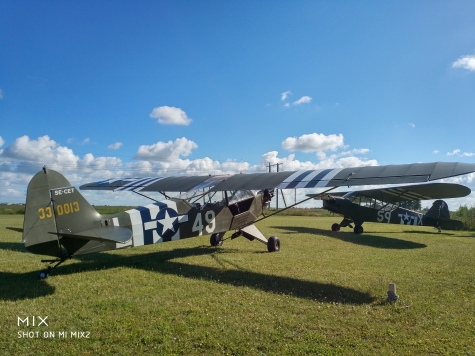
[198, 224]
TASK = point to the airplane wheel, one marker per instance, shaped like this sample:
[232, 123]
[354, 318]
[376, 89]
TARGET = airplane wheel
[336, 227]
[273, 244]
[43, 274]
[216, 240]
[358, 229]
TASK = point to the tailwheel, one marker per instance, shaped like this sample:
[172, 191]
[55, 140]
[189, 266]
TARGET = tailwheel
[336, 227]
[45, 273]
[273, 244]
[358, 229]
[216, 240]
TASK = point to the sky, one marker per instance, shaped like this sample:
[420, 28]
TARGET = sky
[110, 89]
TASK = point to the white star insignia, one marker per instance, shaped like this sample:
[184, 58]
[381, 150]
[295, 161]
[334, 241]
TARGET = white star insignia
[167, 222]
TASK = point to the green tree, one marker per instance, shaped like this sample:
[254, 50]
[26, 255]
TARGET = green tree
[411, 205]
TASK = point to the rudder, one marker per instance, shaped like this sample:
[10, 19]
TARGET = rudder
[438, 210]
[53, 206]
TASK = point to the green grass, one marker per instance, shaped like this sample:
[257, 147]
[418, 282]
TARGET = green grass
[323, 293]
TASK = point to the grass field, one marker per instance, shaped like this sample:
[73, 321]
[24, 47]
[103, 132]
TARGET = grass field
[323, 293]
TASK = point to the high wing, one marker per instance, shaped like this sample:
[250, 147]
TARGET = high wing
[333, 177]
[410, 192]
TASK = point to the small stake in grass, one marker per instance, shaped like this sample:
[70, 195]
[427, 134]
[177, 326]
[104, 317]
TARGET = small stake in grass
[392, 296]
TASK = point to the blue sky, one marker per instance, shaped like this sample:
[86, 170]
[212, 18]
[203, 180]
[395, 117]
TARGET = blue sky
[101, 89]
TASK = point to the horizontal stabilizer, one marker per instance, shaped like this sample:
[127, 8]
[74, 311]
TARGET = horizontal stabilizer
[115, 234]
[451, 224]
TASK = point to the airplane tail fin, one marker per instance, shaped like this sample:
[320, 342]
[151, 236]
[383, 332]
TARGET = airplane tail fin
[55, 209]
[439, 216]
[438, 210]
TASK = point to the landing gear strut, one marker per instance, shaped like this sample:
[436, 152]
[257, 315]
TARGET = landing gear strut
[252, 233]
[344, 223]
[45, 273]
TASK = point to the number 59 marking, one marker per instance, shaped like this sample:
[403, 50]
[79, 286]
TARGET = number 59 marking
[381, 217]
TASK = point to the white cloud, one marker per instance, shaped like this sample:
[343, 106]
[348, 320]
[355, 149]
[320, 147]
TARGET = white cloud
[458, 152]
[115, 146]
[313, 142]
[321, 155]
[435, 152]
[166, 151]
[411, 124]
[26, 156]
[285, 95]
[1, 93]
[170, 115]
[287, 105]
[334, 161]
[99, 163]
[466, 62]
[1, 141]
[356, 151]
[40, 151]
[302, 100]
[85, 141]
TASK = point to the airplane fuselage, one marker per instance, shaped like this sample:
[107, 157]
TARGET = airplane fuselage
[382, 214]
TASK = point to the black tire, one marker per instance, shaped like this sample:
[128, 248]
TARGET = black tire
[358, 229]
[336, 227]
[216, 240]
[273, 244]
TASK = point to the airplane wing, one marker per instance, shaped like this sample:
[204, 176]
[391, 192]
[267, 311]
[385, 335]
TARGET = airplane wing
[412, 192]
[332, 177]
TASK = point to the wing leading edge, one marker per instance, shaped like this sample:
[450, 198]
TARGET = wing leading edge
[333, 177]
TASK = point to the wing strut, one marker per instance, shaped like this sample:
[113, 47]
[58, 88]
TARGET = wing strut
[297, 203]
[146, 196]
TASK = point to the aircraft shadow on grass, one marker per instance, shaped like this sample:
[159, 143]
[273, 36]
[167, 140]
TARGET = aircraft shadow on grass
[466, 233]
[427, 233]
[365, 240]
[13, 246]
[21, 286]
[16, 229]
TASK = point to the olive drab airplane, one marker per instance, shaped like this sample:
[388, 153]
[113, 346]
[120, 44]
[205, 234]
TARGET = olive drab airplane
[378, 205]
[60, 223]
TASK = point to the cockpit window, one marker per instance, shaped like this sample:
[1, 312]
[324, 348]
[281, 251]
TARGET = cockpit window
[368, 202]
[239, 195]
[351, 196]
